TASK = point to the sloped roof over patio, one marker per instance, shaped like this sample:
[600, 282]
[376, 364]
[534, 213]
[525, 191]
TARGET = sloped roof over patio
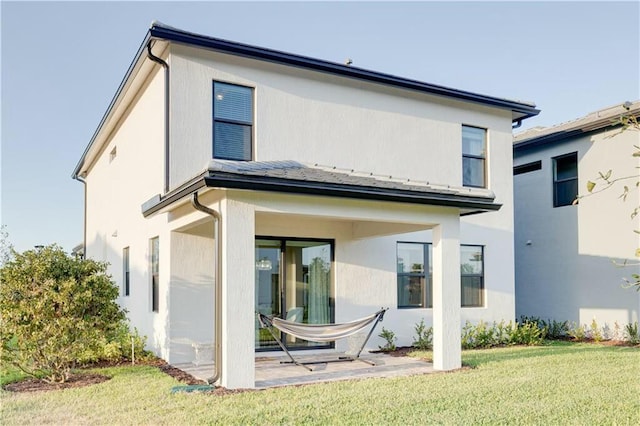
[297, 178]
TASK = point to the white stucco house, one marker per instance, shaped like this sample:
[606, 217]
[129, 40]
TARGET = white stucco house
[565, 251]
[226, 179]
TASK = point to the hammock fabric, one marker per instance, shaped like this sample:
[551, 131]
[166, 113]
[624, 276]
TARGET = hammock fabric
[321, 333]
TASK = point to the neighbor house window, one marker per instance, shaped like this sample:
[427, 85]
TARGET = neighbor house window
[125, 271]
[414, 275]
[472, 276]
[565, 179]
[474, 156]
[155, 274]
[232, 121]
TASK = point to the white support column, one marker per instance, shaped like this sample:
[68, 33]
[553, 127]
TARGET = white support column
[238, 287]
[446, 295]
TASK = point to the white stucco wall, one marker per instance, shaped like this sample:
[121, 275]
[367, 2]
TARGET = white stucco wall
[563, 255]
[317, 118]
[116, 188]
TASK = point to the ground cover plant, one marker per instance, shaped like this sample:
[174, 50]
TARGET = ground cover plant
[556, 383]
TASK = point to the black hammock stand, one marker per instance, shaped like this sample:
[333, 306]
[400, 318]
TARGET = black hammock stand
[321, 333]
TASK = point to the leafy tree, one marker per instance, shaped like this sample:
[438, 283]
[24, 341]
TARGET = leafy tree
[54, 309]
[6, 249]
[607, 180]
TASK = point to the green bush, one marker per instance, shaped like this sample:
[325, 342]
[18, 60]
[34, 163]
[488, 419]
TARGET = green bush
[577, 332]
[56, 311]
[390, 339]
[424, 336]
[632, 333]
[483, 335]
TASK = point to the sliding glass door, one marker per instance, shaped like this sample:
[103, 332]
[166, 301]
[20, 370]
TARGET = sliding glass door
[294, 282]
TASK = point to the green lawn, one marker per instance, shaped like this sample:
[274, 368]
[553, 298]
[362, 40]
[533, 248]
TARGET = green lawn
[561, 383]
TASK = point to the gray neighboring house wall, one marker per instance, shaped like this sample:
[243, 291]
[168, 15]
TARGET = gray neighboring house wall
[564, 252]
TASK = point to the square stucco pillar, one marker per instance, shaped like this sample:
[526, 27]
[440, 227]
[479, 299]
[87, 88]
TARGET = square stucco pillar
[446, 295]
[238, 287]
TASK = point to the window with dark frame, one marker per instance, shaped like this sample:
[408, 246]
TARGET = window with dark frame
[565, 179]
[155, 274]
[474, 157]
[415, 274]
[232, 121]
[472, 276]
[125, 271]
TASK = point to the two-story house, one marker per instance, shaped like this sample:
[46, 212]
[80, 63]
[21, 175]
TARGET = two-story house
[566, 251]
[228, 179]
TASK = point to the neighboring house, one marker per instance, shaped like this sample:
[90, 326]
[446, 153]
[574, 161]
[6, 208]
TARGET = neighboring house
[564, 250]
[335, 191]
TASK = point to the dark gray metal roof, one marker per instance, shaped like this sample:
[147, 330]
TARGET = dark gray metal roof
[293, 177]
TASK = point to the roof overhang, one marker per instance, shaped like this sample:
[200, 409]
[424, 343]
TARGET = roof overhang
[520, 110]
[294, 178]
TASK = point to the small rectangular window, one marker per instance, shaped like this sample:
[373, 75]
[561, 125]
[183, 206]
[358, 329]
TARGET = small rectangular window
[414, 275]
[526, 168]
[155, 274]
[472, 276]
[565, 179]
[474, 156]
[232, 121]
[125, 271]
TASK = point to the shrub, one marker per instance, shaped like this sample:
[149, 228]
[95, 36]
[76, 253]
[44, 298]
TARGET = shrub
[594, 331]
[632, 334]
[390, 338]
[424, 336]
[483, 335]
[577, 332]
[55, 311]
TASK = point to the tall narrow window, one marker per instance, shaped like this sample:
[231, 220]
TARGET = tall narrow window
[472, 276]
[565, 179]
[474, 156]
[155, 274]
[232, 121]
[414, 275]
[125, 271]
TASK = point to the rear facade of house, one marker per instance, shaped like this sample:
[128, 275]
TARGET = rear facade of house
[567, 251]
[328, 191]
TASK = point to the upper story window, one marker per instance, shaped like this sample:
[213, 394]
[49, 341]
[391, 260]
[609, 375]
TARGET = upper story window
[126, 272]
[232, 121]
[565, 179]
[474, 156]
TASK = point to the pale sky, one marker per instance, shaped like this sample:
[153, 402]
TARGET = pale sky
[63, 61]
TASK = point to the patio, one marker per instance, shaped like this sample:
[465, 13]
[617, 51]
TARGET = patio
[270, 373]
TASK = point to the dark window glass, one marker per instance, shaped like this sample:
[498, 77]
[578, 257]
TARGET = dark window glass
[565, 179]
[155, 274]
[232, 121]
[474, 154]
[125, 271]
[472, 276]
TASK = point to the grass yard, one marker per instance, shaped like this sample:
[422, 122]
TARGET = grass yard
[560, 383]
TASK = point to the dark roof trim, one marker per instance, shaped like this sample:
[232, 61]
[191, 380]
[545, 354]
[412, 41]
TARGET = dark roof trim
[158, 202]
[550, 138]
[292, 186]
[524, 110]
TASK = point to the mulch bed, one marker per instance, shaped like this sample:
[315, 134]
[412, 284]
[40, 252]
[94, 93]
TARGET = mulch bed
[75, 381]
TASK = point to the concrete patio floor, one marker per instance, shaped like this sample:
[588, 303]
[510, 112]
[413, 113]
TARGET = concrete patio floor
[269, 372]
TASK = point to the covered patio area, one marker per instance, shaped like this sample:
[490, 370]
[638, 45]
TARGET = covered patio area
[271, 373]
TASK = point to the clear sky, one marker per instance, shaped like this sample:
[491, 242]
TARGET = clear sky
[62, 63]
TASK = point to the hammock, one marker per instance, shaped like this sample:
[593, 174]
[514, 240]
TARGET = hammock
[321, 333]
